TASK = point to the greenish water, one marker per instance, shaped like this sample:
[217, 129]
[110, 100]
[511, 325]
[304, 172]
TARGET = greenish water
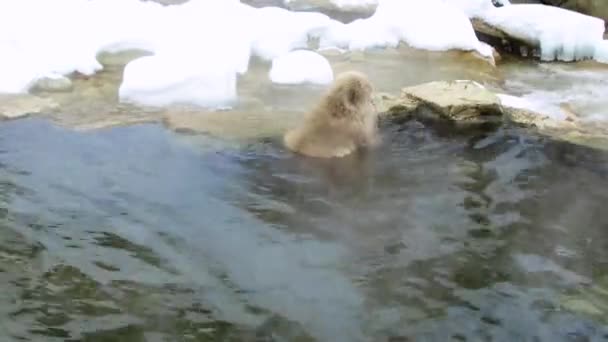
[140, 234]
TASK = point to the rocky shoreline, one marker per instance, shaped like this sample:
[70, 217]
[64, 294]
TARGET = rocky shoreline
[467, 104]
[462, 105]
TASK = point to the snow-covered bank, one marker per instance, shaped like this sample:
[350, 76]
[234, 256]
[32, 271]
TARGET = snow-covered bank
[430, 25]
[560, 34]
[201, 46]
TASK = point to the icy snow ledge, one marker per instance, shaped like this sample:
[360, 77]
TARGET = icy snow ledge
[429, 25]
[601, 51]
[561, 34]
[164, 80]
[301, 66]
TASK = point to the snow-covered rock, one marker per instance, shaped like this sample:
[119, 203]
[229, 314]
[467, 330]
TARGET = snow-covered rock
[167, 79]
[560, 34]
[301, 66]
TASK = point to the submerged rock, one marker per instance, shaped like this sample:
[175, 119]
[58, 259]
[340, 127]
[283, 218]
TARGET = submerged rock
[16, 106]
[236, 125]
[589, 301]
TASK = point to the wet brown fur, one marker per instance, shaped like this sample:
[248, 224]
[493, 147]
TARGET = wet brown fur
[344, 120]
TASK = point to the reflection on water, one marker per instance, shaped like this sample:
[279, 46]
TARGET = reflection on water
[138, 234]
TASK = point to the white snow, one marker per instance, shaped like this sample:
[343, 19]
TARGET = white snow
[471, 8]
[301, 66]
[429, 24]
[352, 4]
[561, 34]
[347, 4]
[201, 42]
[163, 80]
[474, 8]
[486, 50]
[278, 31]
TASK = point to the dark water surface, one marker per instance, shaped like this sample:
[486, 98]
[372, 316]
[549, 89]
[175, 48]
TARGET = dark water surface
[140, 234]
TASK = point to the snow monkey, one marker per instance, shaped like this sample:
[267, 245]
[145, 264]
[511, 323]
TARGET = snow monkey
[344, 120]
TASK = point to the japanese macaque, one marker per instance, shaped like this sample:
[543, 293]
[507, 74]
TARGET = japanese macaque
[344, 120]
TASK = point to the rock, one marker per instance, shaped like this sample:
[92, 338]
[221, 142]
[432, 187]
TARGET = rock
[572, 130]
[16, 106]
[388, 104]
[466, 103]
[500, 40]
[525, 117]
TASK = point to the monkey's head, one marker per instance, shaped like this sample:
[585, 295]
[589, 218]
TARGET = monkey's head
[344, 120]
[350, 96]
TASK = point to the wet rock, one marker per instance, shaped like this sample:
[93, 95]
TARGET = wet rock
[571, 129]
[456, 100]
[469, 104]
[16, 106]
[388, 103]
[466, 103]
[502, 41]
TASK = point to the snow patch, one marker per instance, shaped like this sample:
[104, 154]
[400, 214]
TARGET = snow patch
[352, 4]
[164, 80]
[430, 25]
[301, 66]
[278, 31]
[474, 8]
